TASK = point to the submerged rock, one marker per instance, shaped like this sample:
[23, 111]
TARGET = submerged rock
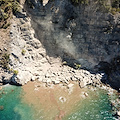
[0, 87]
[118, 113]
[1, 108]
[62, 99]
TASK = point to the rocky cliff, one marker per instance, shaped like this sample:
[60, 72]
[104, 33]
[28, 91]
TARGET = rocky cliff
[84, 34]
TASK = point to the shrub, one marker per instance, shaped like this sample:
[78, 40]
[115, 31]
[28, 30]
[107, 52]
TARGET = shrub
[77, 66]
[80, 1]
[7, 8]
[23, 52]
[15, 72]
[113, 6]
[4, 62]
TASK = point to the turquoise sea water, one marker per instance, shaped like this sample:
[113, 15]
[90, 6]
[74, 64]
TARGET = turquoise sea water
[14, 108]
[96, 108]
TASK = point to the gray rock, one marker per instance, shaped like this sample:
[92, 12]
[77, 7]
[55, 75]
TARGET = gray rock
[82, 84]
[22, 78]
[45, 47]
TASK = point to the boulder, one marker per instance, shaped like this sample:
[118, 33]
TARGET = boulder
[70, 86]
[62, 99]
[22, 78]
[0, 87]
[118, 113]
[45, 2]
[82, 84]
[1, 108]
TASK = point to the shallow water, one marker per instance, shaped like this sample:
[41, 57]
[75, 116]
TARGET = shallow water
[94, 107]
[14, 108]
[97, 107]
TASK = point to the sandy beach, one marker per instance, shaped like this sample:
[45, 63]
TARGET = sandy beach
[56, 101]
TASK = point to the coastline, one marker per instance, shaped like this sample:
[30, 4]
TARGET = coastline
[58, 101]
[48, 81]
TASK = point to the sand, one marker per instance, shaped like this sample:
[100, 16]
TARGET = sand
[55, 102]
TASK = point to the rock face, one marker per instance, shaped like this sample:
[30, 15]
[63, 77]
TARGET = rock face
[28, 57]
[114, 75]
[85, 33]
[57, 31]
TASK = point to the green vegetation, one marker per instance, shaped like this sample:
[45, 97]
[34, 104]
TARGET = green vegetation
[7, 8]
[77, 66]
[23, 52]
[115, 10]
[80, 1]
[15, 72]
[112, 6]
[4, 62]
[64, 63]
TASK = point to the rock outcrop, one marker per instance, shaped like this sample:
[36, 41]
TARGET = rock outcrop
[85, 33]
[30, 61]
[56, 31]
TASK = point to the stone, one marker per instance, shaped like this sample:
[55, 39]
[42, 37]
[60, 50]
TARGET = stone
[0, 87]
[33, 78]
[45, 2]
[70, 86]
[62, 99]
[56, 82]
[48, 80]
[22, 78]
[118, 113]
[40, 79]
[1, 108]
[74, 79]
[86, 94]
[82, 84]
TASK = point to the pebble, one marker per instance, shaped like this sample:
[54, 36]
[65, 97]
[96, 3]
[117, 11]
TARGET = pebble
[62, 99]
[86, 94]
[70, 85]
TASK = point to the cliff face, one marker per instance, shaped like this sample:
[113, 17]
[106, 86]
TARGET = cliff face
[86, 33]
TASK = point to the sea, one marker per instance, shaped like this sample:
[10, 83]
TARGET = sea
[95, 105]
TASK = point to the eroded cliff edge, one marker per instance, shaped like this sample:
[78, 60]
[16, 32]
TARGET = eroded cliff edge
[86, 33]
[83, 35]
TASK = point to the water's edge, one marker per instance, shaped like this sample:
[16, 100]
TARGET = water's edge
[21, 103]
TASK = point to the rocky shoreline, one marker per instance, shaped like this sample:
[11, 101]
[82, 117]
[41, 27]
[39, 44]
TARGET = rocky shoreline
[29, 62]
[29, 59]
